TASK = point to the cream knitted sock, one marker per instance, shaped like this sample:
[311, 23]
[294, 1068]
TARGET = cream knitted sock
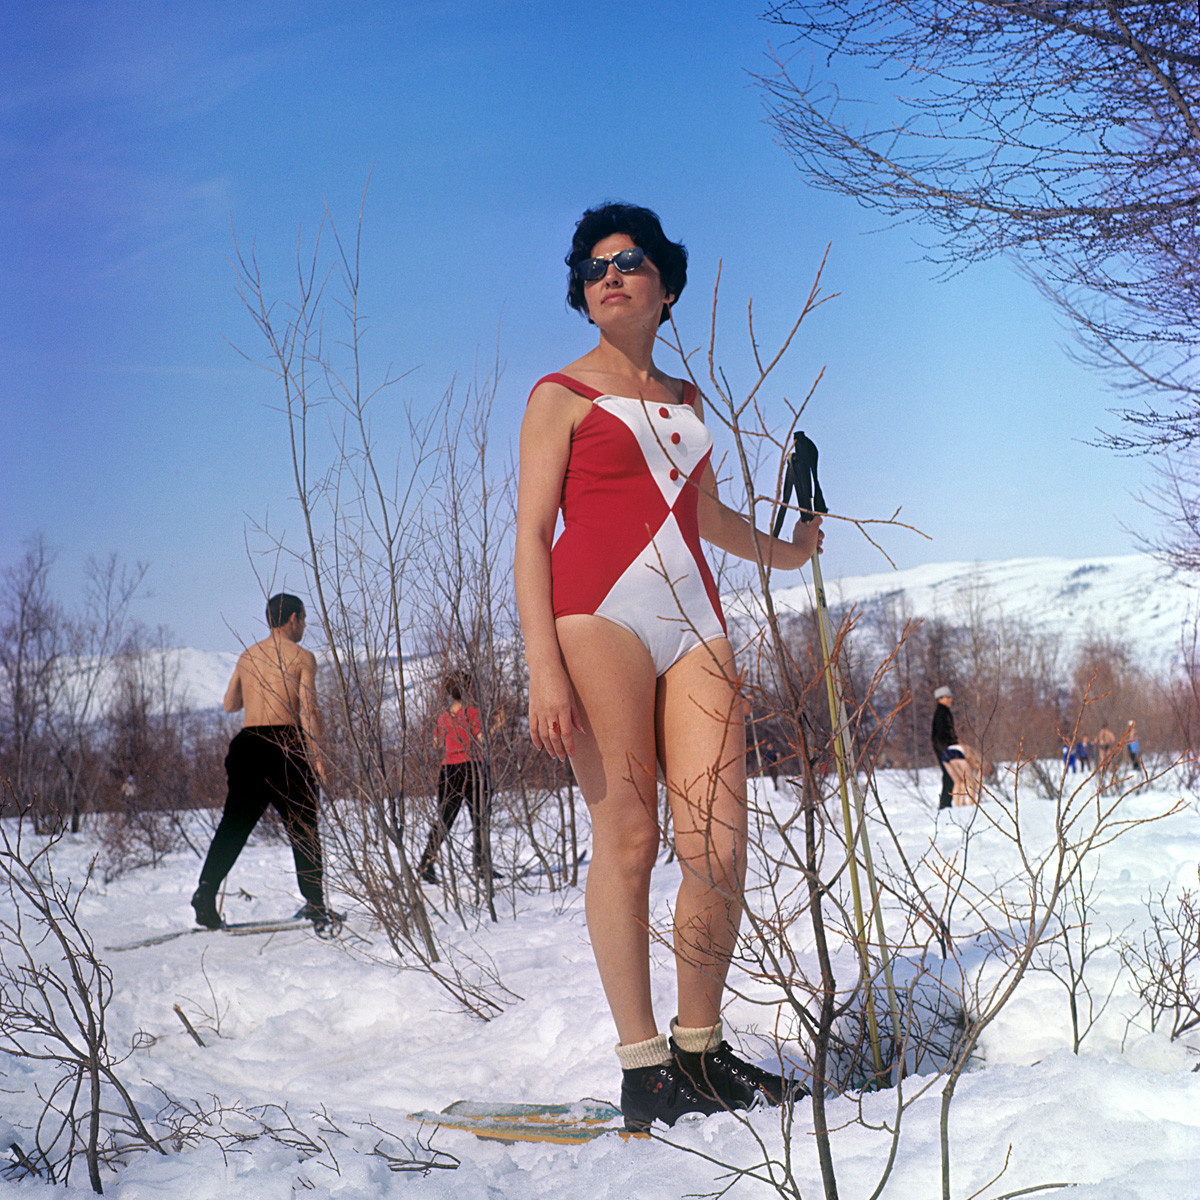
[696, 1041]
[653, 1052]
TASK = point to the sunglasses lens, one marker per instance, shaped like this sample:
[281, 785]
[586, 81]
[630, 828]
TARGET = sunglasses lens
[629, 260]
[591, 269]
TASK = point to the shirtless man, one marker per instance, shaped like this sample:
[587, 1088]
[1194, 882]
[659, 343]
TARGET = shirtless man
[271, 761]
[1106, 742]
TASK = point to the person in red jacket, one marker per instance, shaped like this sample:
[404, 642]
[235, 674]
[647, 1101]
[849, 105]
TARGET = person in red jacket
[463, 776]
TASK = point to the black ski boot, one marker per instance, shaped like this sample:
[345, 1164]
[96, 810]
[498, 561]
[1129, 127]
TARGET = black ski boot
[204, 903]
[661, 1093]
[719, 1073]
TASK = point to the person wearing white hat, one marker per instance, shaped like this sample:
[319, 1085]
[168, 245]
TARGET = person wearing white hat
[943, 737]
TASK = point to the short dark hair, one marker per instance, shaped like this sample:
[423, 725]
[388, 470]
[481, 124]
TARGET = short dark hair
[644, 228]
[282, 608]
[458, 683]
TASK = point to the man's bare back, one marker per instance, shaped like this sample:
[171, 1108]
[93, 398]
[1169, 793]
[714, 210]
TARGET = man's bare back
[275, 681]
[271, 763]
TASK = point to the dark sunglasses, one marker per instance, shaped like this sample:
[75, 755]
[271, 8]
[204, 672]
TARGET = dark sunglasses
[625, 261]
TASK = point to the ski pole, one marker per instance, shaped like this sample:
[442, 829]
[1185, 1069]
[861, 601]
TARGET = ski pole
[801, 477]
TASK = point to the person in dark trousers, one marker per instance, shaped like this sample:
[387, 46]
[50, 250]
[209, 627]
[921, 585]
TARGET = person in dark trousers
[943, 737]
[1070, 756]
[272, 761]
[1083, 752]
[462, 776]
[1135, 748]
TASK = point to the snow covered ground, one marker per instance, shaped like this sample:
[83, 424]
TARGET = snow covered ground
[344, 1040]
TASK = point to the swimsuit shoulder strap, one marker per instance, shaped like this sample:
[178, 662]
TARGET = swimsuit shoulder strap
[690, 391]
[582, 389]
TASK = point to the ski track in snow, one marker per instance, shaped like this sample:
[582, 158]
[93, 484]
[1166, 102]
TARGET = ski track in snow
[306, 1023]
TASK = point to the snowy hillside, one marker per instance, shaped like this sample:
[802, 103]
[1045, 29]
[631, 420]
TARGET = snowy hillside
[1132, 599]
[204, 675]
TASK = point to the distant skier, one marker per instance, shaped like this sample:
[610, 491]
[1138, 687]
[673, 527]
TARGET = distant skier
[943, 737]
[271, 761]
[1070, 751]
[1134, 748]
[961, 766]
[1106, 742]
[770, 760]
[462, 776]
[1083, 752]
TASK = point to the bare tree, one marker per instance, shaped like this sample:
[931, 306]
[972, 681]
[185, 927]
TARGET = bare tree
[1064, 134]
[1175, 497]
[57, 677]
[31, 644]
[161, 761]
[93, 640]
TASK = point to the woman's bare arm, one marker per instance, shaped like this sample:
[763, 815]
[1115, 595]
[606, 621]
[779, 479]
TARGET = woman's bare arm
[545, 450]
[731, 532]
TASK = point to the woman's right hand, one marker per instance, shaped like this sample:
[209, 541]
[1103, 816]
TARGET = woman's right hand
[553, 714]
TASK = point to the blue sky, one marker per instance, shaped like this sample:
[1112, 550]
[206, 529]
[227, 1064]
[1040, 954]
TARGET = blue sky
[137, 139]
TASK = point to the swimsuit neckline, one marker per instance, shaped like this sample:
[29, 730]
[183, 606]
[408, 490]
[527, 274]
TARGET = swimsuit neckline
[593, 394]
[641, 400]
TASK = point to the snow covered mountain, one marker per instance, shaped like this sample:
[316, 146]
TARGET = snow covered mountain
[1132, 600]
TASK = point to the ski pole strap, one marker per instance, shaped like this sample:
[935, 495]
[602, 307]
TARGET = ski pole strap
[801, 477]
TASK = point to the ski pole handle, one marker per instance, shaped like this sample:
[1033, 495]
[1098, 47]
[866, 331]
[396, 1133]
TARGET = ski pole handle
[801, 477]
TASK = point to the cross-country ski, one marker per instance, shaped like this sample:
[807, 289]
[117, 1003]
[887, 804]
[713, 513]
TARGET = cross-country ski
[234, 928]
[567, 1124]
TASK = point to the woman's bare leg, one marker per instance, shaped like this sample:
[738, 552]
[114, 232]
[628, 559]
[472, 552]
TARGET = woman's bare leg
[614, 762]
[958, 772]
[974, 776]
[702, 741]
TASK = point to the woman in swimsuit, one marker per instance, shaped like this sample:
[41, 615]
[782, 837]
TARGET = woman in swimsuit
[630, 671]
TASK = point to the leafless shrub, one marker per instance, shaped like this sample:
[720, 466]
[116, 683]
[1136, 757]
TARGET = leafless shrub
[1165, 965]
[1070, 954]
[54, 998]
[809, 851]
[235, 1128]
[1012, 921]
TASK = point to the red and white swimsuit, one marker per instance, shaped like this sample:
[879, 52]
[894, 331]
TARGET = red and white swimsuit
[630, 546]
